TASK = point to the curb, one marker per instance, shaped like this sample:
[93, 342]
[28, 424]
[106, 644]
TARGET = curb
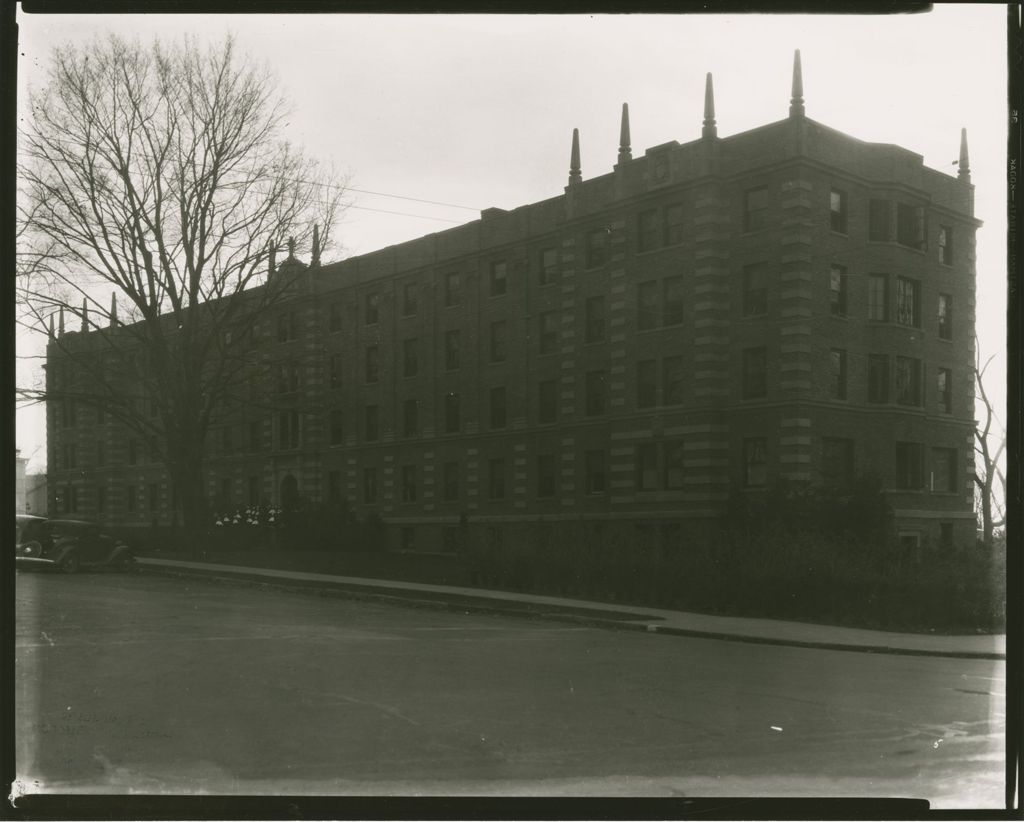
[625, 621]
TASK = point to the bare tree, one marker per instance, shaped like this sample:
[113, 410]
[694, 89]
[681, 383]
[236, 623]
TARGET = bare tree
[160, 173]
[989, 446]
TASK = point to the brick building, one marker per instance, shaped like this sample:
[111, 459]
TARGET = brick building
[784, 303]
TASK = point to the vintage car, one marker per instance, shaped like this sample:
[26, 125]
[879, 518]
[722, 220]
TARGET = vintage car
[67, 545]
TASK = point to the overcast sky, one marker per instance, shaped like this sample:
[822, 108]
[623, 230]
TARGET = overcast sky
[478, 111]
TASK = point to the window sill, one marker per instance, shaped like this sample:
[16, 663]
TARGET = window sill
[839, 233]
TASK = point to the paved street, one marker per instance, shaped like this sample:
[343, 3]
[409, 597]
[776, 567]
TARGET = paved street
[155, 684]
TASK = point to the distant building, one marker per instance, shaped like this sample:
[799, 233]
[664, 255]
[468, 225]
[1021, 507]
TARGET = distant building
[19, 482]
[35, 495]
[787, 303]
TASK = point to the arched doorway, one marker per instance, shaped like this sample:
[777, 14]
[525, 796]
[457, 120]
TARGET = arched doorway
[289, 493]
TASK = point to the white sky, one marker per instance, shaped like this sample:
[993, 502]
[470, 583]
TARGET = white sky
[479, 110]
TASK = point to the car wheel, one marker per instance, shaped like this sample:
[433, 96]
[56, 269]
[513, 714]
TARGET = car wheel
[70, 564]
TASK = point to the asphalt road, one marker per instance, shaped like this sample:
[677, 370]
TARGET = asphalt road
[137, 683]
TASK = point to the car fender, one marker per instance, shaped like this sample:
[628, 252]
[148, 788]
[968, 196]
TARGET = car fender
[61, 551]
[121, 552]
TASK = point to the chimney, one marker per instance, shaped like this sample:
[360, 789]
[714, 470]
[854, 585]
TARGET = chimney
[315, 258]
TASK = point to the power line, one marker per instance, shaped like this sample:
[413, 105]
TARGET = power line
[414, 199]
[405, 214]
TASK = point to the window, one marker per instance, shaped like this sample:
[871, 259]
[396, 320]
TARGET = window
[410, 361]
[879, 229]
[255, 435]
[496, 478]
[595, 319]
[226, 440]
[499, 279]
[673, 382]
[101, 454]
[909, 465]
[907, 294]
[408, 483]
[597, 247]
[410, 300]
[837, 374]
[372, 308]
[595, 472]
[596, 393]
[452, 421]
[878, 297]
[755, 213]
[497, 404]
[225, 493]
[945, 245]
[101, 416]
[908, 381]
[71, 455]
[674, 462]
[674, 224]
[946, 534]
[130, 500]
[647, 467]
[153, 492]
[71, 495]
[334, 317]
[369, 485]
[755, 290]
[499, 351]
[452, 289]
[450, 542]
[646, 383]
[755, 366]
[548, 338]
[452, 348]
[837, 291]
[836, 461]
[945, 390]
[371, 421]
[673, 291]
[288, 429]
[545, 475]
[878, 378]
[548, 266]
[547, 401]
[755, 462]
[334, 372]
[101, 499]
[410, 418]
[647, 313]
[647, 230]
[254, 487]
[910, 230]
[133, 453]
[68, 413]
[287, 327]
[945, 317]
[372, 363]
[450, 480]
[333, 487]
[837, 210]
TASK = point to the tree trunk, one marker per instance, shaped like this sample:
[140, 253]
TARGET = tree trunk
[186, 469]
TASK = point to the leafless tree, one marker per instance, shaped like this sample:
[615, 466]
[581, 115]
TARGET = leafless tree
[989, 446]
[160, 173]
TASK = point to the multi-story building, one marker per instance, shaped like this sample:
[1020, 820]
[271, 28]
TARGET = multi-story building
[784, 303]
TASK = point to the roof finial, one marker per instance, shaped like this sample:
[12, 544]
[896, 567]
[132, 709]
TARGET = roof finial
[796, 104]
[963, 171]
[575, 176]
[85, 314]
[625, 152]
[315, 257]
[709, 130]
[60, 322]
[113, 309]
[51, 327]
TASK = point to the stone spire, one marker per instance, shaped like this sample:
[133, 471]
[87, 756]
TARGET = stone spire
[796, 103]
[51, 327]
[625, 152]
[60, 322]
[710, 129]
[575, 176]
[315, 258]
[113, 309]
[85, 315]
[963, 171]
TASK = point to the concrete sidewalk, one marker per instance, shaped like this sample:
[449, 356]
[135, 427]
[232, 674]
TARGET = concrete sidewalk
[652, 620]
